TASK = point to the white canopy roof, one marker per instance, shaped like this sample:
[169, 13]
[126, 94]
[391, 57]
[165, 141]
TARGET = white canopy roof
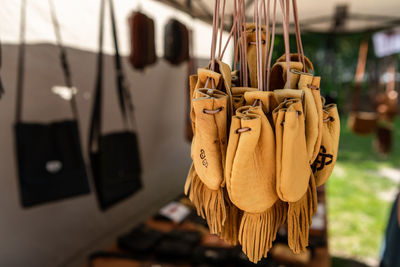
[314, 15]
[79, 22]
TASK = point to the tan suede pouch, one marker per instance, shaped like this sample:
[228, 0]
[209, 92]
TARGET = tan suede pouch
[209, 144]
[278, 76]
[250, 180]
[326, 160]
[268, 101]
[252, 51]
[238, 96]
[295, 57]
[311, 115]
[292, 166]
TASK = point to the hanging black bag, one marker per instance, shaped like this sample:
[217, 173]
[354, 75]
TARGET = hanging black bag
[176, 42]
[114, 157]
[49, 156]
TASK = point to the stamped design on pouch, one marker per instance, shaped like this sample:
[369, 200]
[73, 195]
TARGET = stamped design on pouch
[323, 159]
[203, 157]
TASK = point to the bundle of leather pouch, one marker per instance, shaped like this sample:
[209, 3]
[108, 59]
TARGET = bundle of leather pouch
[141, 30]
[176, 42]
[251, 144]
[49, 156]
[114, 157]
[205, 181]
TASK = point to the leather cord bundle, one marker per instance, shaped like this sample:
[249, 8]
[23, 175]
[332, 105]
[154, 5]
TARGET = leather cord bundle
[50, 161]
[114, 157]
[263, 137]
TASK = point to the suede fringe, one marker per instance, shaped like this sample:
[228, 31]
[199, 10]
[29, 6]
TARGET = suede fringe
[210, 204]
[300, 215]
[258, 230]
[230, 230]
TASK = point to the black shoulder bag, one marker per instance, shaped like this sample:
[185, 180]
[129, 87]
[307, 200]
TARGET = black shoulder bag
[114, 157]
[50, 161]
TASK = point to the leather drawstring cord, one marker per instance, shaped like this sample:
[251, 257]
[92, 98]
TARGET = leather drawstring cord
[359, 77]
[242, 30]
[258, 25]
[233, 29]
[214, 42]
[221, 29]
[212, 111]
[271, 43]
[235, 37]
[300, 51]
[285, 24]
[266, 11]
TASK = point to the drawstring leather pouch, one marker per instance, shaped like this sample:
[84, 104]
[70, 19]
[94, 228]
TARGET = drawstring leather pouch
[210, 110]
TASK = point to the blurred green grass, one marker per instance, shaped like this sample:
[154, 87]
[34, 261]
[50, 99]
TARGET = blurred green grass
[357, 196]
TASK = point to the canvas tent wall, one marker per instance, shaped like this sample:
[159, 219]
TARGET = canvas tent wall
[64, 232]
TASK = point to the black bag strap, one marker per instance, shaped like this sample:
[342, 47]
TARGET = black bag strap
[124, 97]
[1, 82]
[21, 61]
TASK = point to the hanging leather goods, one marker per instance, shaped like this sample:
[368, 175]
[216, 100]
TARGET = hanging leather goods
[250, 181]
[297, 132]
[114, 157]
[251, 51]
[386, 102]
[238, 99]
[386, 107]
[141, 29]
[327, 155]
[49, 156]
[210, 112]
[361, 122]
[176, 42]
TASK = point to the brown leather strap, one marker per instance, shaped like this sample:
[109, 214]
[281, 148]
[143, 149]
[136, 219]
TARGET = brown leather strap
[390, 86]
[298, 35]
[221, 28]
[266, 13]
[271, 45]
[285, 24]
[243, 42]
[359, 76]
[257, 22]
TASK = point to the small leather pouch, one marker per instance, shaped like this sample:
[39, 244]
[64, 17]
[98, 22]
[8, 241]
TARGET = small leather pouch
[326, 159]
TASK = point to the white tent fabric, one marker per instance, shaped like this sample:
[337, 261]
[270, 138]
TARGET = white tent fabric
[318, 15]
[63, 233]
[79, 20]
